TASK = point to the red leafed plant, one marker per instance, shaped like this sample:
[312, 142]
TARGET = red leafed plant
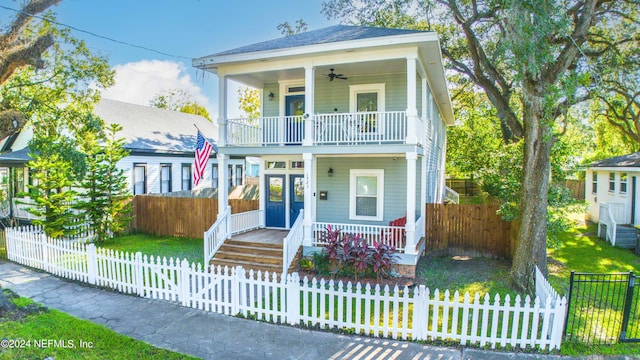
[383, 257]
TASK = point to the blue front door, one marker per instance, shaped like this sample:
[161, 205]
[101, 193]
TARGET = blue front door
[275, 215]
[294, 107]
[296, 197]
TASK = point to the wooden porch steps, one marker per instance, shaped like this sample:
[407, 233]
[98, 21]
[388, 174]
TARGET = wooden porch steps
[251, 255]
[626, 236]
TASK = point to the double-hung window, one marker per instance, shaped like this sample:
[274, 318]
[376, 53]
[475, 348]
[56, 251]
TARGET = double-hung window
[594, 183]
[612, 182]
[186, 176]
[165, 178]
[623, 183]
[366, 194]
[139, 179]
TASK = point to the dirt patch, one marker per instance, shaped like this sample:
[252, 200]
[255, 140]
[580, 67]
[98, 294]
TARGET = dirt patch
[9, 311]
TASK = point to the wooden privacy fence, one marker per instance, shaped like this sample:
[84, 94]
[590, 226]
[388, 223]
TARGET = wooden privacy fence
[399, 313]
[182, 217]
[473, 230]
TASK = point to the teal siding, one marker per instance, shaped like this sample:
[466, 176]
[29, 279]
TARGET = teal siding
[336, 207]
[333, 96]
[271, 108]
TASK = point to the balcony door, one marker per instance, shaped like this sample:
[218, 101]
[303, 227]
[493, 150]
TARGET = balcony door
[294, 109]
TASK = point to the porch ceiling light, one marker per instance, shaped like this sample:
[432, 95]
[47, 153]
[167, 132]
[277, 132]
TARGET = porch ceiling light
[330, 172]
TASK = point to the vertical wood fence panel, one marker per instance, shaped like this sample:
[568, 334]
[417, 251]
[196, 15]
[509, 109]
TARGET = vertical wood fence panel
[369, 310]
[181, 217]
[474, 230]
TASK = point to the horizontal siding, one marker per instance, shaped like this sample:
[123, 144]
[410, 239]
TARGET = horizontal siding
[153, 170]
[334, 95]
[336, 207]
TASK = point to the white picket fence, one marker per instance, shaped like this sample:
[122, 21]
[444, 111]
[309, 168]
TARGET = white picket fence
[399, 313]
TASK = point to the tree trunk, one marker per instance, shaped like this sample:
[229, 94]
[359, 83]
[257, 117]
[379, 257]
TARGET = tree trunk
[531, 248]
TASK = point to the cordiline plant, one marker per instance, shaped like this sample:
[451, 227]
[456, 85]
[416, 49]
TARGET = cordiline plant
[383, 257]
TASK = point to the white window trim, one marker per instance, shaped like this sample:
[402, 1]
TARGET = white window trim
[594, 181]
[354, 90]
[626, 182]
[615, 179]
[379, 173]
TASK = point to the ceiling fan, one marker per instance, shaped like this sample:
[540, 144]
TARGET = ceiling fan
[333, 75]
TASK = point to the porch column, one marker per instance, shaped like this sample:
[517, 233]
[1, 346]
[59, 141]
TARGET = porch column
[412, 110]
[410, 227]
[424, 114]
[309, 73]
[222, 109]
[223, 183]
[307, 222]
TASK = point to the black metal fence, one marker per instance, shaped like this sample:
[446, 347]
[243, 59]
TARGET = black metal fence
[603, 308]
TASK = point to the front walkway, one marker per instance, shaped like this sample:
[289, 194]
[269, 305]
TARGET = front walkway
[210, 335]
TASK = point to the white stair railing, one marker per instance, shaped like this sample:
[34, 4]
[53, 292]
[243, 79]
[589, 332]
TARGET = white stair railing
[217, 234]
[292, 243]
[606, 218]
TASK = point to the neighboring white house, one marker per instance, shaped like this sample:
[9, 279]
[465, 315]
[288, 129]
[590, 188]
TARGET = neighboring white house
[612, 194]
[352, 128]
[614, 182]
[161, 145]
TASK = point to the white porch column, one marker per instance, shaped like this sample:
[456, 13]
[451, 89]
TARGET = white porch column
[412, 110]
[309, 211]
[410, 227]
[223, 183]
[425, 113]
[309, 89]
[222, 109]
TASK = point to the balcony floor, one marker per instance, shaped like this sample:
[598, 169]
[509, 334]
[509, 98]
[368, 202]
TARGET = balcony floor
[265, 236]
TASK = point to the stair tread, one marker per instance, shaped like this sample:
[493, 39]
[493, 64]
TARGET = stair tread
[253, 244]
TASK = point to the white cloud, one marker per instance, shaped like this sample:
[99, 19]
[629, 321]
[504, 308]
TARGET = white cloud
[138, 82]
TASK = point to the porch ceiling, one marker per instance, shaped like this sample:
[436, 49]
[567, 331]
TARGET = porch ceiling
[350, 70]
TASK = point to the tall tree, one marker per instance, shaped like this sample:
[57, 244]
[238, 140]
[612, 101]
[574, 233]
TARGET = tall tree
[533, 59]
[179, 100]
[287, 29]
[106, 197]
[21, 47]
[249, 102]
[58, 102]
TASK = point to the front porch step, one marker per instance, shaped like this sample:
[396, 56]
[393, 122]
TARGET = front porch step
[250, 255]
[626, 236]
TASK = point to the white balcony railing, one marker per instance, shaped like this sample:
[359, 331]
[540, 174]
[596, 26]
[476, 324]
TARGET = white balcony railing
[291, 244]
[451, 196]
[360, 128]
[328, 129]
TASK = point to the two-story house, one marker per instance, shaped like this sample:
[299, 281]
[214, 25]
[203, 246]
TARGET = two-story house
[352, 130]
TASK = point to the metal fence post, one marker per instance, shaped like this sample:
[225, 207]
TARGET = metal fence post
[627, 306]
[566, 321]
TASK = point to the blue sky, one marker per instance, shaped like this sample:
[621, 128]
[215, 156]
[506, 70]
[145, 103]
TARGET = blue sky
[185, 28]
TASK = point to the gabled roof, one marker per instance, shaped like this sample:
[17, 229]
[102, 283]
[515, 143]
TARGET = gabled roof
[326, 35]
[153, 130]
[145, 130]
[630, 160]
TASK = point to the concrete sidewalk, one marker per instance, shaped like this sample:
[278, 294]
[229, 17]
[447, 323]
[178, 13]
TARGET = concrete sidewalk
[214, 336]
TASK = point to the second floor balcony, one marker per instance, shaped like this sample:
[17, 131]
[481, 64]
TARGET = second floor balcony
[386, 127]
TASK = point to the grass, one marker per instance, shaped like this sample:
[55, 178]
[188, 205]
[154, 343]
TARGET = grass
[163, 246]
[98, 342]
[581, 251]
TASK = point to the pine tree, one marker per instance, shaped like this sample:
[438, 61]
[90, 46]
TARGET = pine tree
[106, 200]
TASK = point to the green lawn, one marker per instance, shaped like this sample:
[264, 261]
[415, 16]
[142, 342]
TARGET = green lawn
[183, 248]
[581, 251]
[98, 342]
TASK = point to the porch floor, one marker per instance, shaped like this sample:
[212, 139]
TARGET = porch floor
[265, 236]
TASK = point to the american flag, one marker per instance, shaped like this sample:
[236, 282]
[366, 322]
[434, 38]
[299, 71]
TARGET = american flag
[203, 151]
